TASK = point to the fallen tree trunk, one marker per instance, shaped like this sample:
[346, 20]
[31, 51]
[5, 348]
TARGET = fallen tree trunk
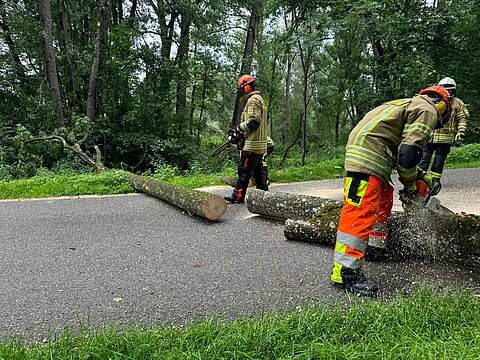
[201, 203]
[418, 232]
[283, 206]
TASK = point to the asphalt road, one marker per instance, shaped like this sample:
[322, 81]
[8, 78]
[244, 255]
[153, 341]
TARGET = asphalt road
[134, 259]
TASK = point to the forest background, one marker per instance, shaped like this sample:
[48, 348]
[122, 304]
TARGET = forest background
[145, 85]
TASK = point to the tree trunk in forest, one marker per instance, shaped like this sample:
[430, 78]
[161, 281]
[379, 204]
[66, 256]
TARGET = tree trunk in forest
[246, 67]
[182, 55]
[50, 61]
[287, 119]
[93, 83]
[69, 52]
[281, 205]
[201, 203]
[418, 232]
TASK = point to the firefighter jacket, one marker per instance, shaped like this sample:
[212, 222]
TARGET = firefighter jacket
[392, 136]
[457, 123]
[254, 123]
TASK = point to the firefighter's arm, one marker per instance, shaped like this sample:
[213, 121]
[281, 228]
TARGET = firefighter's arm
[415, 135]
[462, 119]
[253, 116]
[408, 158]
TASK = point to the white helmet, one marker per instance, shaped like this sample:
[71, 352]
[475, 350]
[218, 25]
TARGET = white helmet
[448, 83]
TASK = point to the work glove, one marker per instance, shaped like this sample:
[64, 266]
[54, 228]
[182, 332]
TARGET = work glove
[409, 191]
[429, 180]
[422, 175]
[459, 137]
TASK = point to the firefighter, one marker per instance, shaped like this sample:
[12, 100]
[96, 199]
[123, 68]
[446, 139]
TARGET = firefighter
[389, 136]
[254, 127]
[442, 139]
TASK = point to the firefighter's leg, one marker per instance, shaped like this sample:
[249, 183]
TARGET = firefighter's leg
[441, 154]
[260, 175]
[376, 248]
[245, 170]
[427, 157]
[362, 194]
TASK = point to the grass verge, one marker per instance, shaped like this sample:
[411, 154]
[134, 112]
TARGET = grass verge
[424, 326]
[115, 182]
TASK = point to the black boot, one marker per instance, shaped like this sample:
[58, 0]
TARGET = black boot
[231, 200]
[374, 253]
[355, 281]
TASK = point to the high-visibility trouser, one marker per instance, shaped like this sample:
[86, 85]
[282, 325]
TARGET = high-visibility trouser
[250, 164]
[367, 208]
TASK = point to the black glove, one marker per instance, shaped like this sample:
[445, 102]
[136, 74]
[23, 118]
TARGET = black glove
[269, 149]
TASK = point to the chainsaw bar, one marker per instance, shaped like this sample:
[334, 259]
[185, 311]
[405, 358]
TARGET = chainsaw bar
[220, 149]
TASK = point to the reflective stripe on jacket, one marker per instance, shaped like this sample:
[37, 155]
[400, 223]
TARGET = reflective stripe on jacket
[255, 109]
[457, 123]
[372, 146]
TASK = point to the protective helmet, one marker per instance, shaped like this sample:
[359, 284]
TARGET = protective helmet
[246, 84]
[448, 83]
[441, 98]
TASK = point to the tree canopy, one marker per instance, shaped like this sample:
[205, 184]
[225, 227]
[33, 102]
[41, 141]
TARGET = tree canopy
[152, 82]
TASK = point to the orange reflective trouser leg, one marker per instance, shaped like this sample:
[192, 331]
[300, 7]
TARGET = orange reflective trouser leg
[378, 236]
[362, 201]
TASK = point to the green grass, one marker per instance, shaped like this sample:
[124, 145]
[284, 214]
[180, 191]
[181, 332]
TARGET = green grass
[423, 326]
[108, 183]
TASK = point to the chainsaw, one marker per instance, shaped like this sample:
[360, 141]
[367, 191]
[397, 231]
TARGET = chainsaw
[425, 198]
[235, 140]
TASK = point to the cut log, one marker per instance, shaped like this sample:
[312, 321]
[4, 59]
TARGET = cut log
[417, 232]
[320, 230]
[201, 203]
[283, 206]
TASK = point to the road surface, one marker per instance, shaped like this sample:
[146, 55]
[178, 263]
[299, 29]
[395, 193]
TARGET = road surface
[133, 259]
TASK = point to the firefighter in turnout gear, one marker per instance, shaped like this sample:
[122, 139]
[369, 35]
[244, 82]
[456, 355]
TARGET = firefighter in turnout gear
[254, 126]
[389, 137]
[453, 132]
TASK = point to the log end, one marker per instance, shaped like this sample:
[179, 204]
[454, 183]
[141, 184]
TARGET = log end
[214, 207]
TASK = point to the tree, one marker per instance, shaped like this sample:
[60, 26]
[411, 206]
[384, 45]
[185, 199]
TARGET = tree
[50, 60]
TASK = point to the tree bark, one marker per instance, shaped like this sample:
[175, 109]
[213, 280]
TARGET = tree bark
[50, 61]
[200, 203]
[93, 83]
[74, 77]
[182, 63]
[285, 206]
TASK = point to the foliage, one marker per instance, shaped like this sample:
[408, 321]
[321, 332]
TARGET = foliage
[156, 103]
[427, 325]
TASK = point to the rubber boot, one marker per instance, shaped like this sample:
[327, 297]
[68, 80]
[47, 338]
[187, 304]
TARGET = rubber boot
[356, 282]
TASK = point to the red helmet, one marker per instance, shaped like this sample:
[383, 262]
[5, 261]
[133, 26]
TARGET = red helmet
[246, 83]
[441, 98]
